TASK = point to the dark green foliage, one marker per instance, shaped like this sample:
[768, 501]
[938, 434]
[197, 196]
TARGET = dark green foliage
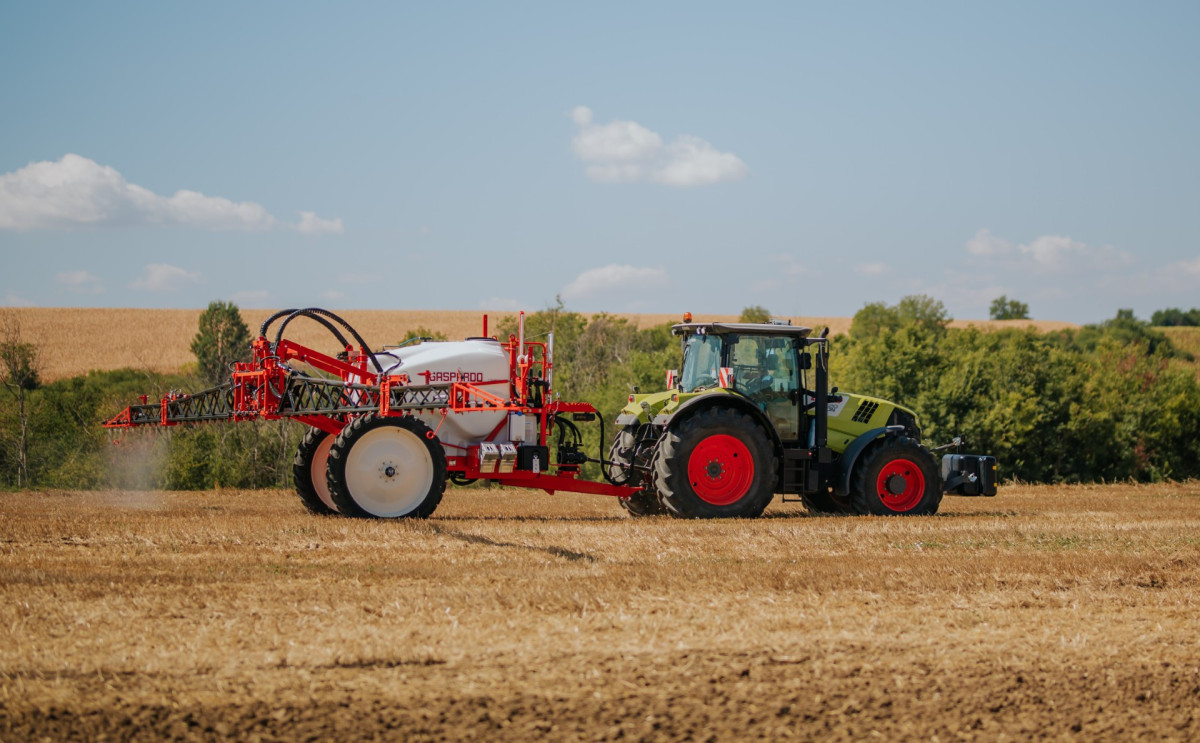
[1105, 402]
[755, 313]
[1004, 308]
[222, 339]
[1176, 317]
[420, 333]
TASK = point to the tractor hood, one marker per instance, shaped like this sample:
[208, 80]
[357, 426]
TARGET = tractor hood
[643, 408]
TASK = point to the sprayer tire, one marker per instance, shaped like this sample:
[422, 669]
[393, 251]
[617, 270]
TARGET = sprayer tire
[717, 463]
[644, 502]
[385, 467]
[308, 472]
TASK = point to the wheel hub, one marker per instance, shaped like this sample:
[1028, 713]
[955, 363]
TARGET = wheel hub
[388, 470]
[900, 485]
[720, 469]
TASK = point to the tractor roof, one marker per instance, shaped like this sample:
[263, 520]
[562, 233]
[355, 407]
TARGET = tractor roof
[741, 328]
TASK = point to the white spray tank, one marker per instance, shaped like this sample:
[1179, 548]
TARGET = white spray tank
[482, 362]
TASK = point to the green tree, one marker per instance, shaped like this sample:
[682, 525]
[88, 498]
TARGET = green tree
[1174, 316]
[755, 313]
[421, 333]
[1004, 308]
[20, 375]
[223, 338]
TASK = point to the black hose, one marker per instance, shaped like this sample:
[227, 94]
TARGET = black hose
[328, 325]
[312, 312]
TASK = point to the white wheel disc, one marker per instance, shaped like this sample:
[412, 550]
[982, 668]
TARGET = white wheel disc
[316, 471]
[389, 471]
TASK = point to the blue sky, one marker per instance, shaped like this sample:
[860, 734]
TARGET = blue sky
[808, 157]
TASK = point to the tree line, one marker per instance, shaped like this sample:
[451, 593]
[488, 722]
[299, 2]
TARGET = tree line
[1111, 401]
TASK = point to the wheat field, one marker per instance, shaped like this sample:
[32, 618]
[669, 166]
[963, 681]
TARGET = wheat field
[1046, 612]
[72, 341]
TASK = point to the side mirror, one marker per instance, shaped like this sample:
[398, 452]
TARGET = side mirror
[806, 360]
[672, 378]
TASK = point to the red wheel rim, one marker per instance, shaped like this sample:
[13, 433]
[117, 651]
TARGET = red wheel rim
[900, 485]
[720, 469]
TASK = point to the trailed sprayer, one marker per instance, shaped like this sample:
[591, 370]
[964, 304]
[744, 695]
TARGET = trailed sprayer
[748, 415]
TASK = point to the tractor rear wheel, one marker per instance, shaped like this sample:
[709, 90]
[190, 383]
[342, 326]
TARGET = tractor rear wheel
[624, 452]
[896, 477]
[387, 468]
[717, 463]
[308, 472]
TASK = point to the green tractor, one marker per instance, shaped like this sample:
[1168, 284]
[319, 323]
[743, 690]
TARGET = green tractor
[751, 414]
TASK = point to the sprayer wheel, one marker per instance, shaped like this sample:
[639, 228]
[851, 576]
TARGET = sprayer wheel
[308, 472]
[387, 468]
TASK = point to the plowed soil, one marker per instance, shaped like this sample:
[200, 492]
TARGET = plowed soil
[1046, 612]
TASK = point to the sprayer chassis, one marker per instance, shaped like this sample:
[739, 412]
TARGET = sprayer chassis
[271, 387]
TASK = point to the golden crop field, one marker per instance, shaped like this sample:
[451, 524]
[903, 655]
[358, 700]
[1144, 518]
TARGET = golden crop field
[1046, 612]
[76, 340]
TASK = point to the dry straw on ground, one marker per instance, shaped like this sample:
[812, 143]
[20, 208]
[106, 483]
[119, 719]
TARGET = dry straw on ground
[1046, 612]
[75, 340]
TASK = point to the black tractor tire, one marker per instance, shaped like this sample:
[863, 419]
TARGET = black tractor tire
[309, 475]
[896, 476]
[826, 503]
[718, 463]
[644, 502]
[388, 468]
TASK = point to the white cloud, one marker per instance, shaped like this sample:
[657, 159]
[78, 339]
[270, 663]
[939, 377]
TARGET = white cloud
[12, 300]
[311, 224]
[985, 243]
[871, 269]
[80, 281]
[693, 162]
[1047, 254]
[612, 278]
[161, 277]
[333, 295]
[78, 192]
[581, 115]
[627, 152]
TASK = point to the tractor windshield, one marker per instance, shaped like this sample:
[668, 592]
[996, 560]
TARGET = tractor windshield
[701, 359]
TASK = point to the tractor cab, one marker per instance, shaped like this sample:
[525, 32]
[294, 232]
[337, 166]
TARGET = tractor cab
[764, 363]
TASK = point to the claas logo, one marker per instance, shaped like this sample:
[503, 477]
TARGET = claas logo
[440, 377]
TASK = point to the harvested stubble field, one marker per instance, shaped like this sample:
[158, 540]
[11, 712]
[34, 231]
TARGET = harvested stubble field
[73, 340]
[1046, 612]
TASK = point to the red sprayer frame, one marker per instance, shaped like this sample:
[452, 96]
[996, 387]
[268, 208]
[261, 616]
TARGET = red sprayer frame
[265, 388]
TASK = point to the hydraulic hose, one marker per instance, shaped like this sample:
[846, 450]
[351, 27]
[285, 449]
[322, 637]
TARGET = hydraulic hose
[313, 312]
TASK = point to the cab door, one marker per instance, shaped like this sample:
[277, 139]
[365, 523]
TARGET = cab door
[767, 371]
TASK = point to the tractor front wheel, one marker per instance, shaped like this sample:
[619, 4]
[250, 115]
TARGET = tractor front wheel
[717, 463]
[387, 468]
[896, 477]
[308, 472]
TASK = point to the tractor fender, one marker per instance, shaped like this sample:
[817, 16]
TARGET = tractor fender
[856, 448]
[703, 402]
